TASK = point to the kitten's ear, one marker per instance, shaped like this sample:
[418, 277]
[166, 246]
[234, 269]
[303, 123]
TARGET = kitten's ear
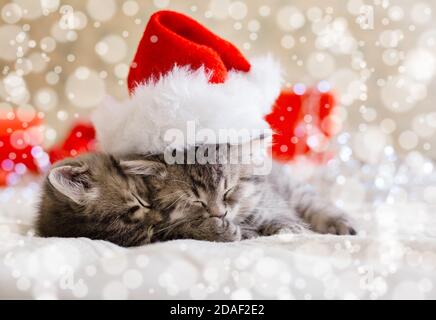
[143, 167]
[73, 182]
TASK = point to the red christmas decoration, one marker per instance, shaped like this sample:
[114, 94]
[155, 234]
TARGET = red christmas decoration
[17, 140]
[302, 123]
[81, 139]
[21, 146]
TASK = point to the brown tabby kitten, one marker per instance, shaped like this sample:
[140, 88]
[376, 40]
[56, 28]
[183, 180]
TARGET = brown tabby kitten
[141, 199]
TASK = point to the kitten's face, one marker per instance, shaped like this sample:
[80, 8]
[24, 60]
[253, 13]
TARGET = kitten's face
[104, 185]
[100, 197]
[202, 191]
[225, 189]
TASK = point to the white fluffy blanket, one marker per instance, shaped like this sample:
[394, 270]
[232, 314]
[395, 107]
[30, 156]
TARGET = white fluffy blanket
[393, 257]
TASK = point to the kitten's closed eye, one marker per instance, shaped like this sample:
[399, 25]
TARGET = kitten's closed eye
[137, 211]
[132, 210]
[229, 193]
[142, 202]
[200, 203]
[134, 214]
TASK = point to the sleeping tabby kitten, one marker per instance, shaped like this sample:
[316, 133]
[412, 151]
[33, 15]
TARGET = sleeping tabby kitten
[136, 200]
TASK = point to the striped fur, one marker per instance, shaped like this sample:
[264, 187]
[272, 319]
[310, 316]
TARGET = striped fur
[141, 199]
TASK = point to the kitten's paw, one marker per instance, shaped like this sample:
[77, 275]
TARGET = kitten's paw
[341, 226]
[294, 229]
[338, 225]
[233, 233]
[283, 226]
[223, 230]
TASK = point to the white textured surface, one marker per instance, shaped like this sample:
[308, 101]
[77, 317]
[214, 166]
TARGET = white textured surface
[395, 257]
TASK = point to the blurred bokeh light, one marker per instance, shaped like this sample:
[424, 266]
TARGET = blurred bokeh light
[60, 58]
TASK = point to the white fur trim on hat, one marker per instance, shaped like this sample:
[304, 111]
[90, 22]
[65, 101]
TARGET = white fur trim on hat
[184, 97]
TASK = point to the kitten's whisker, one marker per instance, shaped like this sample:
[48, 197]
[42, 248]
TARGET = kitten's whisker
[168, 227]
[169, 195]
[184, 182]
[173, 225]
[174, 202]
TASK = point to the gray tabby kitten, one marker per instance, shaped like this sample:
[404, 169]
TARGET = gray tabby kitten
[137, 200]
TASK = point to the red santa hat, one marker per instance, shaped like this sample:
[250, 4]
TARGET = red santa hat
[183, 75]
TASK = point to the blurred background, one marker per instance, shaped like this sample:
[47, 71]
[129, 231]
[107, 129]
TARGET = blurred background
[60, 58]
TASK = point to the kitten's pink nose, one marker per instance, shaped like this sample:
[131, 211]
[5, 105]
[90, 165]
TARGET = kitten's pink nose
[216, 210]
[218, 213]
